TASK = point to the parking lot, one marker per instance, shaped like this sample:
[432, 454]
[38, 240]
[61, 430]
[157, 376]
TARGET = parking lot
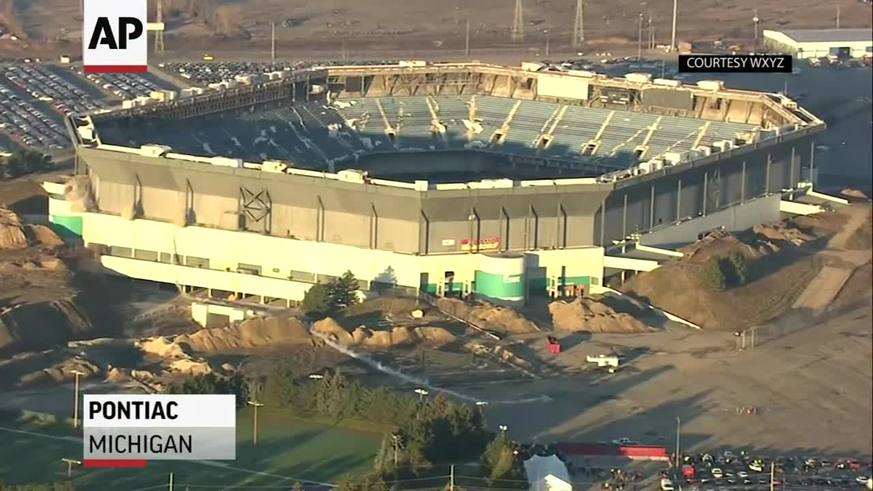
[205, 73]
[125, 86]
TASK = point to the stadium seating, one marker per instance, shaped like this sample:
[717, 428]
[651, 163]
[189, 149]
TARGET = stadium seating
[313, 134]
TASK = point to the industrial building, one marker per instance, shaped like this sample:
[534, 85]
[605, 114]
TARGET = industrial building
[450, 179]
[822, 43]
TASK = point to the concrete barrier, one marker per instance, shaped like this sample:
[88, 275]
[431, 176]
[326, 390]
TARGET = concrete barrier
[796, 208]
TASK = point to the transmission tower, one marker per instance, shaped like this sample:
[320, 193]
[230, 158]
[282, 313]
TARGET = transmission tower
[518, 22]
[579, 24]
[159, 34]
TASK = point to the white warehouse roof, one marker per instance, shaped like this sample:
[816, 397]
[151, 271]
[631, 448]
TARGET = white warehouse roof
[826, 35]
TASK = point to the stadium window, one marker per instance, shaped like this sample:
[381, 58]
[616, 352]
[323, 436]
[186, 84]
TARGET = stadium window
[248, 269]
[145, 255]
[120, 251]
[197, 262]
[166, 257]
[303, 276]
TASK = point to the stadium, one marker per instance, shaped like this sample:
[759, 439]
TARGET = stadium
[451, 179]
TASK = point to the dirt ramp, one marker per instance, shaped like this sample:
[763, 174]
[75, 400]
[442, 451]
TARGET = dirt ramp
[252, 333]
[487, 316]
[584, 314]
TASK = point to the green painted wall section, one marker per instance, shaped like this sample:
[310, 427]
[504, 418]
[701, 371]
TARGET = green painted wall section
[578, 280]
[495, 286]
[66, 226]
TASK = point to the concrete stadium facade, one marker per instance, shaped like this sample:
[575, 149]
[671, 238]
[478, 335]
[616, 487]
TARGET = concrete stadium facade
[178, 219]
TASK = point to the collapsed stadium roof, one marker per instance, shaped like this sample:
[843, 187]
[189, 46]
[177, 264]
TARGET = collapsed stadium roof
[327, 119]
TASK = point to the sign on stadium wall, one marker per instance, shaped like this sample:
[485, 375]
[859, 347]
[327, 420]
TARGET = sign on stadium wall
[485, 244]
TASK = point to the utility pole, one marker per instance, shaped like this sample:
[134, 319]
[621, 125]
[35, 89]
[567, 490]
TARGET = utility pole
[518, 22]
[756, 20]
[547, 43]
[273, 42]
[396, 439]
[76, 374]
[255, 405]
[640, 39]
[159, 35]
[772, 476]
[467, 40]
[579, 24]
[673, 46]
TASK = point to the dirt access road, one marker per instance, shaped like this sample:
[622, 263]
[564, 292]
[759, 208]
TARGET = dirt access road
[840, 262]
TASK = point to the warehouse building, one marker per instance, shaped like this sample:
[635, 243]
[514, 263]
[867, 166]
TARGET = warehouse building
[821, 43]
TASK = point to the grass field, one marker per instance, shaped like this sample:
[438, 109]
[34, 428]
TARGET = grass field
[289, 449]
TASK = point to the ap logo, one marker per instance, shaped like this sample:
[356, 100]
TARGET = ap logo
[114, 36]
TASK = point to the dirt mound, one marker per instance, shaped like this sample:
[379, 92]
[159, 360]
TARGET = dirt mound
[42, 235]
[161, 347]
[333, 331]
[60, 372]
[401, 336]
[585, 314]
[487, 316]
[252, 333]
[854, 193]
[782, 232]
[11, 231]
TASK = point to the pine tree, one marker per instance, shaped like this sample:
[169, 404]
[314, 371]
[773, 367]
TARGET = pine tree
[343, 291]
[740, 268]
[713, 276]
[316, 301]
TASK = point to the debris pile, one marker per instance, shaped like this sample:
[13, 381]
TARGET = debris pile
[487, 316]
[586, 314]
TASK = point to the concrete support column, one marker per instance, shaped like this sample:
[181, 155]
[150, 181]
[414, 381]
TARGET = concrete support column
[624, 218]
[791, 173]
[603, 222]
[652, 209]
[743, 183]
[705, 192]
[812, 163]
[678, 200]
[767, 175]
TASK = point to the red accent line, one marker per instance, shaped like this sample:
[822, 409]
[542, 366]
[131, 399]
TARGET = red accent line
[114, 463]
[116, 68]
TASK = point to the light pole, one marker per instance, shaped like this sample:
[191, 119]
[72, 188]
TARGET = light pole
[70, 463]
[76, 374]
[756, 20]
[640, 40]
[673, 35]
[255, 405]
[421, 393]
[678, 428]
